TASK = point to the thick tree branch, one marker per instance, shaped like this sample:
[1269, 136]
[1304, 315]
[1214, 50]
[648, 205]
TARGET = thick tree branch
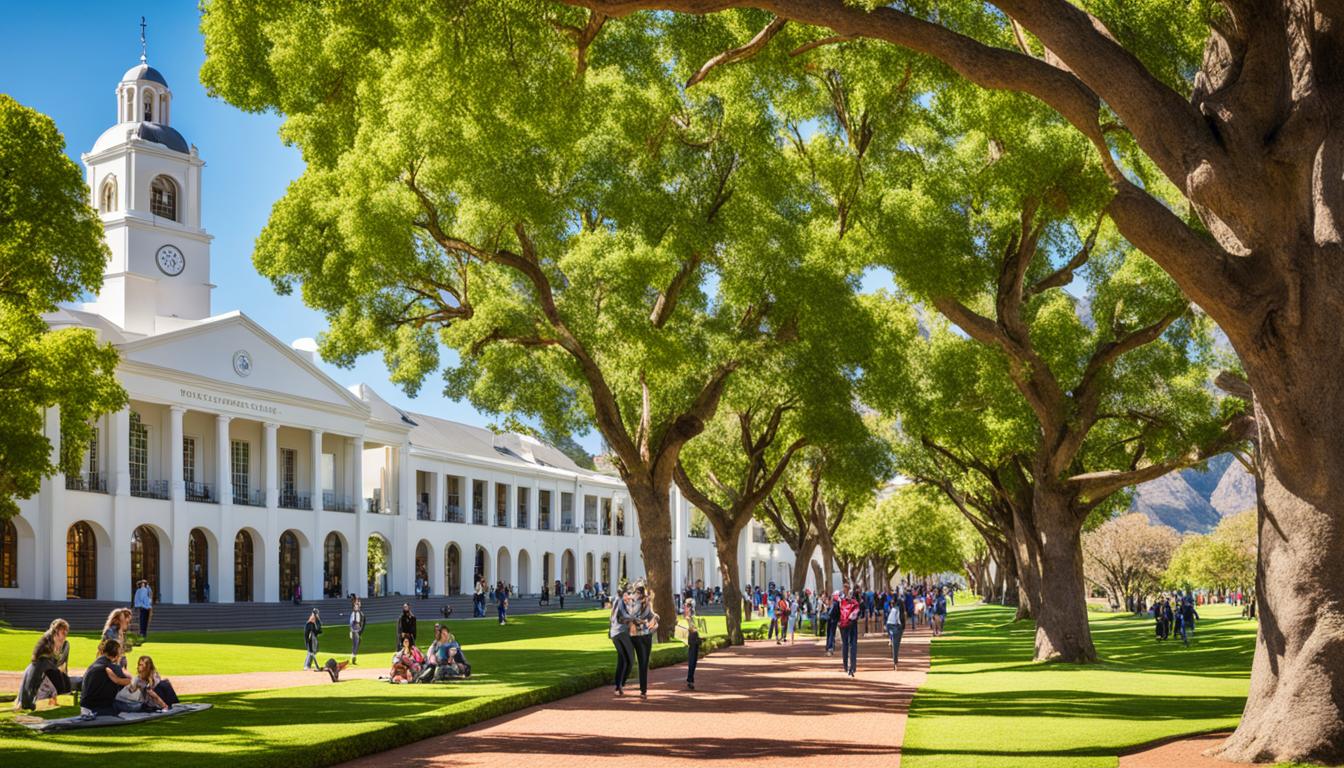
[742, 52]
[667, 299]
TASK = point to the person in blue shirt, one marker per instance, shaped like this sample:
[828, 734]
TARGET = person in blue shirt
[144, 603]
[502, 602]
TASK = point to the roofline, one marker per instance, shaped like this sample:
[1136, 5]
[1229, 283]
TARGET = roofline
[491, 462]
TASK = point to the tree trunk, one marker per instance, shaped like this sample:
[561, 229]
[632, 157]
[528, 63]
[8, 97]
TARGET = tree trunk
[1027, 562]
[1062, 632]
[801, 558]
[653, 506]
[726, 545]
[828, 563]
[1293, 712]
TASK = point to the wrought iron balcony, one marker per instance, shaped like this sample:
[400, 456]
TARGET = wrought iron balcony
[453, 513]
[334, 502]
[93, 482]
[144, 489]
[294, 500]
[256, 498]
[202, 492]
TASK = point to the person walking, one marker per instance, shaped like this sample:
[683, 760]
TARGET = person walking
[850, 608]
[641, 634]
[781, 617]
[832, 623]
[895, 624]
[144, 603]
[356, 627]
[560, 593]
[311, 630]
[939, 613]
[502, 602]
[692, 640]
[622, 620]
[1188, 616]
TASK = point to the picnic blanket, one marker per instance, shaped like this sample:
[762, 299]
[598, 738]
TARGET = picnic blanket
[73, 723]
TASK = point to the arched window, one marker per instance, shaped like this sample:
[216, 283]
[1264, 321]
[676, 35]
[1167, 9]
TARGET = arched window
[148, 99]
[163, 197]
[81, 562]
[242, 568]
[289, 564]
[9, 555]
[107, 198]
[332, 566]
[145, 560]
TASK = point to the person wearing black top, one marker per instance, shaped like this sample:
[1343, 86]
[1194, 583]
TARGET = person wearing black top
[405, 624]
[310, 632]
[102, 680]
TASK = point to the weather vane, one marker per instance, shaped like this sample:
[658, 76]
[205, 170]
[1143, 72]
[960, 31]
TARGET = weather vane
[142, 40]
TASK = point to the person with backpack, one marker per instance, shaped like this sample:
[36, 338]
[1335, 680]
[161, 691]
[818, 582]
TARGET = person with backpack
[939, 615]
[851, 606]
[781, 617]
[895, 624]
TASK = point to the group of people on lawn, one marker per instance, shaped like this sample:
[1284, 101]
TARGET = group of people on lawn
[443, 660]
[106, 687]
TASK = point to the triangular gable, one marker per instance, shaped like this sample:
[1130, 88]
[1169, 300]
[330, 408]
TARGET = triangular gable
[209, 349]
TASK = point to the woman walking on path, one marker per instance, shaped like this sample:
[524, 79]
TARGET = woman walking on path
[356, 627]
[850, 608]
[641, 635]
[832, 623]
[895, 623]
[939, 616]
[310, 632]
[622, 619]
[692, 641]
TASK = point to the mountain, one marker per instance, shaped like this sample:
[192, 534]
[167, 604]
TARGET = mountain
[1194, 499]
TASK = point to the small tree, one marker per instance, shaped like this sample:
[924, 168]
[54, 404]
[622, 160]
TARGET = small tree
[1128, 555]
[51, 250]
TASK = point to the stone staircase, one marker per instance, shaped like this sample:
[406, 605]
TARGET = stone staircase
[89, 615]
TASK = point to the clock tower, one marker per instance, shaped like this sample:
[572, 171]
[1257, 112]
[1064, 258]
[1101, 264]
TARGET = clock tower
[146, 185]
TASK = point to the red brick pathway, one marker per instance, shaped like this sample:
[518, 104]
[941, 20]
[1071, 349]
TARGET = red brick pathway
[1181, 753]
[763, 703]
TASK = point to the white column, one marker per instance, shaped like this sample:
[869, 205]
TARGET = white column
[315, 481]
[118, 586]
[177, 487]
[678, 540]
[402, 566]
[49, 536]
[223, 465]
[360, 546]
[268, 457]
[221, 589]
[468, 500]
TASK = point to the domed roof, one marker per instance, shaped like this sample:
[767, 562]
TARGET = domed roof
[143, 71]
[155, 132]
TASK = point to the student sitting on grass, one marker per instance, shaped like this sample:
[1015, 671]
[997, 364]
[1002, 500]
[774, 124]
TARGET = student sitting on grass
[103, 680]
[45, 677]
[406, 663]
[142, 694]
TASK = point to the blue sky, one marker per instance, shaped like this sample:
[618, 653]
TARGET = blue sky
[65, 59]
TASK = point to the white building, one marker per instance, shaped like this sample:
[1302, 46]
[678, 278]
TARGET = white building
[240, 470]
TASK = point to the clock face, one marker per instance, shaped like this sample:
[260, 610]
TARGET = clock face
[170, 260]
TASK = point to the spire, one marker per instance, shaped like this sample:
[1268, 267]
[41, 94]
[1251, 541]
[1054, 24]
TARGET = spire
[143, 60]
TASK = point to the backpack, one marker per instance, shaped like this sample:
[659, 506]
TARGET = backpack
[782, 606]
[849, 612]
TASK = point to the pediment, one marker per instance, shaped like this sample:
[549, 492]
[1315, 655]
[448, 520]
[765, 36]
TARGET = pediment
[235, 350]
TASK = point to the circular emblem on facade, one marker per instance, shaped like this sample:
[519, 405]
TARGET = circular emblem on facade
[242, 362]
[171, 261]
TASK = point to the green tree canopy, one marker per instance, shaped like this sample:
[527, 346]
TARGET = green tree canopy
[51, 251]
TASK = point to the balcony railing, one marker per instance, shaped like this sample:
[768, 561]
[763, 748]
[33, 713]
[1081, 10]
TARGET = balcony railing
[758, 536]
[294, 500]
[590, 526]
[93, 482]
[522, 519]
[256, 498]
[334, 502]
[422, 511]
[567, 526]
[478, 516]
[544, 521]
[699, 533]
[453, 514]
[203, 492]
[157, 489]
[501, 519]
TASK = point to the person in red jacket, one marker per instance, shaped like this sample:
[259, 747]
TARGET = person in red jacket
[850, 608]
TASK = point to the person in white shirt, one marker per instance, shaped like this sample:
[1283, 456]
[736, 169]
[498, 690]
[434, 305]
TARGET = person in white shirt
[144, 603]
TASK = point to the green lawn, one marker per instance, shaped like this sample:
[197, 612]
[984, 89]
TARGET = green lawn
[986, 704]
[533, 659]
